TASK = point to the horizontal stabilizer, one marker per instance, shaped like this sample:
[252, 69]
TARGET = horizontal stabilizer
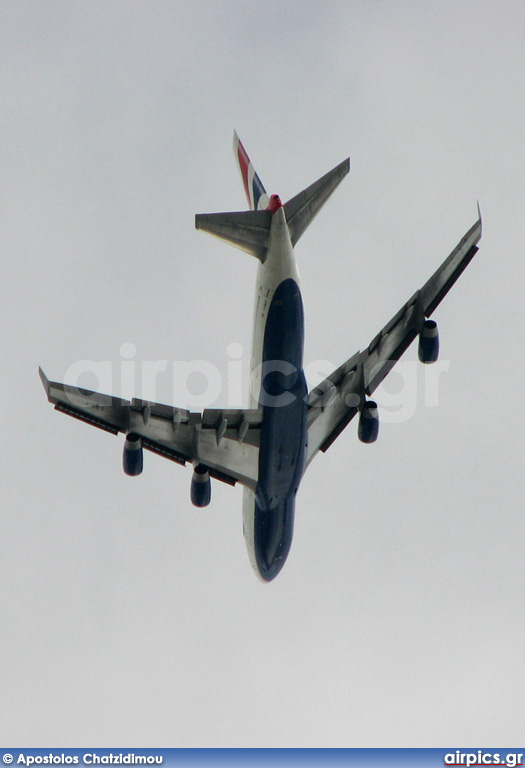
[302, 208]
[247, 230]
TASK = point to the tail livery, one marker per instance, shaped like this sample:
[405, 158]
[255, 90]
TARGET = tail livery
[256, 195]
[250, 230]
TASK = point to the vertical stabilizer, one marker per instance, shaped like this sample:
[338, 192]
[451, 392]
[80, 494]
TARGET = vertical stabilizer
[256, 195]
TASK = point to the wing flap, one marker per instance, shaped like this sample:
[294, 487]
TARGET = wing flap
[77, 414]
[163, 450]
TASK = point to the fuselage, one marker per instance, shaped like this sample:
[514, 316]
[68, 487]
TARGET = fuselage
[278, 387]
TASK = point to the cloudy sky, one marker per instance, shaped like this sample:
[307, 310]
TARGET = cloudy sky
[128, 616]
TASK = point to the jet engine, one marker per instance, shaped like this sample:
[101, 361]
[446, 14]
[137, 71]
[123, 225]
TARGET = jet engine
[132, 457]
[429, 342]
[368, 427]
[200, 490]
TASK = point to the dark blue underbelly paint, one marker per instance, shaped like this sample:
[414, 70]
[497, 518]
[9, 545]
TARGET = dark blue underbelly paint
[283, 429]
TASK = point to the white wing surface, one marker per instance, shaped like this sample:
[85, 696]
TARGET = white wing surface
[225, 440]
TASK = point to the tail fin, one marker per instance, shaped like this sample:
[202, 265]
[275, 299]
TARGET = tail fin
[250, 230]
[255, 192]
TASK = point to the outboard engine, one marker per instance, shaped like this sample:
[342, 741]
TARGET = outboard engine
[132, 457]
[200, 490]
[368, 427]
[428, 350]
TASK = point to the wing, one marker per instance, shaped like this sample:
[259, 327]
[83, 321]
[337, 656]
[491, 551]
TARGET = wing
[334, 403]
[226, 441]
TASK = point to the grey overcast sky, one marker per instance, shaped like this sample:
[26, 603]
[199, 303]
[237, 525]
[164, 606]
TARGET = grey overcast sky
[128, 616]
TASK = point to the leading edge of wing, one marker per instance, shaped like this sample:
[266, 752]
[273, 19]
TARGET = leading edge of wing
[335, 401]
[437, 287]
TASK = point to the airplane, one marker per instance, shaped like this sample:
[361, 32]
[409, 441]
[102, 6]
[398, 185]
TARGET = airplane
[268, 447]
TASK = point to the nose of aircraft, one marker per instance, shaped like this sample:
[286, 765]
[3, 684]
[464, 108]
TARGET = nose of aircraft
[273, 537]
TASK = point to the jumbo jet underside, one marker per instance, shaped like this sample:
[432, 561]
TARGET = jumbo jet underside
[268, 446]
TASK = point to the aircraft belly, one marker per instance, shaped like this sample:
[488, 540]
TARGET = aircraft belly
[278, 386]
[269, 515]
[279, 265]
[268, 535]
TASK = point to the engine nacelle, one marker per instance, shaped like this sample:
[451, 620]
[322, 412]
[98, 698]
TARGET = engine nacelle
[368, 427]
[132, 457]
[200, 490]
[428, 350]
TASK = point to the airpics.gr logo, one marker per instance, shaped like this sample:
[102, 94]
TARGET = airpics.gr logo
[199, 384]
[482, 758]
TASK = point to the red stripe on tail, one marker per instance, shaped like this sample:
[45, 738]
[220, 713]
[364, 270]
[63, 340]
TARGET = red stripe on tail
[244, 162]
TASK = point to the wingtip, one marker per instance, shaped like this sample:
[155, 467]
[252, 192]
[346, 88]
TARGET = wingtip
[44, 379]
[479, 213]
[343, 168]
